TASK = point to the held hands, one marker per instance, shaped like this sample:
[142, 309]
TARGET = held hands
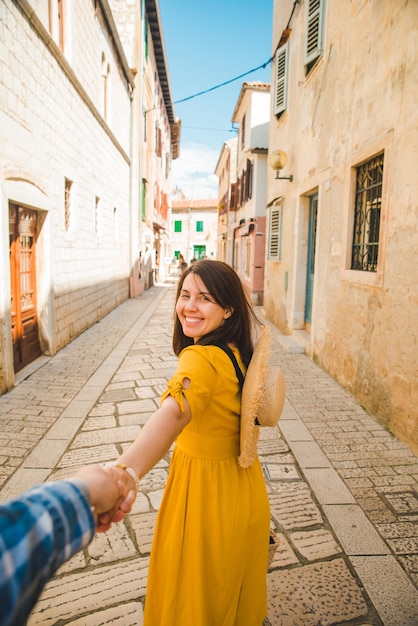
[112, 493]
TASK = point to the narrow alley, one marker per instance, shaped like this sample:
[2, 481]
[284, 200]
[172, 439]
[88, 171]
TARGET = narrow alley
[343, 491]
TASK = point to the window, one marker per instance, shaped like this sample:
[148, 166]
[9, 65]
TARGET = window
[368, 201]
[105, 77]
[158, 140]
[233, 202]
[243, 133]
[281, 80]
[240, 188]
[115, 224]
[144, 200]
[199, 252]
[146, 43]
[97, 216]
[145, 128]
[67, 203]
[275, 234]
[248, 181]
[314, 32]
[199, 226]
[57, 21]
[164, 206]
[177, 226]
[248, 242]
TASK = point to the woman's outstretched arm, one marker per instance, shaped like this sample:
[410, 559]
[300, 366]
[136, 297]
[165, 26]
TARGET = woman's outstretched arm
[156, 436]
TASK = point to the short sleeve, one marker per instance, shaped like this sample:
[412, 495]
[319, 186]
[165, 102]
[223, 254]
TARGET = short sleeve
[195, 365]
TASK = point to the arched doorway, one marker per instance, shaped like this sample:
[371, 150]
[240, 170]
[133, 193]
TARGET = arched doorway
[23, 230]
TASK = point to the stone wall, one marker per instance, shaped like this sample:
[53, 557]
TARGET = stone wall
[357, 102]
[53, 127]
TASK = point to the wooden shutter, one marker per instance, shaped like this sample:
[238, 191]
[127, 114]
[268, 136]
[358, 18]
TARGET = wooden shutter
[280, 88]
[238, 200]
[314, 30]
[158, 140]
[248, 180]
[275, 227]
[233, 202]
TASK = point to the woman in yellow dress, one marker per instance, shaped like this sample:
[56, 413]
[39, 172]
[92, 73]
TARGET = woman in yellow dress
[209, 554]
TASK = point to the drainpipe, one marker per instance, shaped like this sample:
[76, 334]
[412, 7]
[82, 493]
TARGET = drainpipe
[132, 264]
[141, 120]
[137, 132]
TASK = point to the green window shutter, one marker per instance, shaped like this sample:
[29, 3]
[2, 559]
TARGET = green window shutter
[199, 226]
[177, 226]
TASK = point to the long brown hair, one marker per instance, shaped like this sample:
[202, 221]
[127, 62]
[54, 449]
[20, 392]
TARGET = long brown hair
[225, 287]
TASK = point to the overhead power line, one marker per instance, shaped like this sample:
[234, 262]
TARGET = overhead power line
[227, 82]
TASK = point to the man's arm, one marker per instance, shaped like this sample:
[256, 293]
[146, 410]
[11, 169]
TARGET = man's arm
[43, 528]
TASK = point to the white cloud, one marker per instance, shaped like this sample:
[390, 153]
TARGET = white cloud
[193, 172]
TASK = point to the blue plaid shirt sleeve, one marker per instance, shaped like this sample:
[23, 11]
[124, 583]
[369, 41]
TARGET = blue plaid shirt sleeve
[39, 531]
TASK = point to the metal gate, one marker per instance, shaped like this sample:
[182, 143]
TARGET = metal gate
[22, 229]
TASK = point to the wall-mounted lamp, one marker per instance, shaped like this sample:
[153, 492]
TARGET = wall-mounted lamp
[277, 161]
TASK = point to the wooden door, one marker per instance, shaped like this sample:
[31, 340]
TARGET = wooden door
[22, 228]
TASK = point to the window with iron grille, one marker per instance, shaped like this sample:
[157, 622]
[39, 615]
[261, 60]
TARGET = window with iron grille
[368, 201]
[275, 234]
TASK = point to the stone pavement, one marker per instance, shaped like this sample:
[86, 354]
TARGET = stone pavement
[343, 491]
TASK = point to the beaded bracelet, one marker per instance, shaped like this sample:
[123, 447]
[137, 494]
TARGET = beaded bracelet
[131, 472]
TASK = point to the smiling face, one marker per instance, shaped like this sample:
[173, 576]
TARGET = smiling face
[197, 310]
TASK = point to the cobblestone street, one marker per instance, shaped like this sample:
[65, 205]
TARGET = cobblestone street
[343, 491]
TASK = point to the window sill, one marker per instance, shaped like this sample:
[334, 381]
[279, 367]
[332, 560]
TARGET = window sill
[372, 279]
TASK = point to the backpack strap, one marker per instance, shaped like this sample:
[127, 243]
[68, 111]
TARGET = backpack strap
[238, 370]
[231, 355]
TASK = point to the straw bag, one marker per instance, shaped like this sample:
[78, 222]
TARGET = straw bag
[273, 538]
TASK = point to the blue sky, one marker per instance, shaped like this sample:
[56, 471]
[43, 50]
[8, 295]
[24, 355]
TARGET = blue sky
[208, 43]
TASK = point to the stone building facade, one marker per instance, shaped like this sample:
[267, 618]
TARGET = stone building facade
[193, 231]
[70, 167]
[226, 171]
[341, 270]
[242, 174]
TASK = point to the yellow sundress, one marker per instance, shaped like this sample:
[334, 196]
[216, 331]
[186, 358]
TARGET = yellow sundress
[209, 555]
